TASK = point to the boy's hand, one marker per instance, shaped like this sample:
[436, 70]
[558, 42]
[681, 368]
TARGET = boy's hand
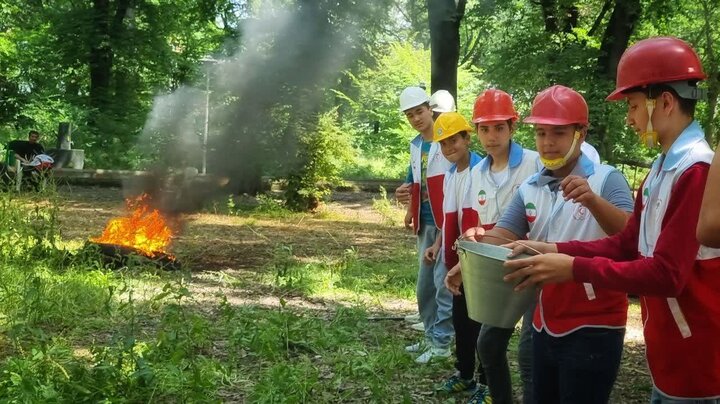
[474, 233]
[402, 193]
[528, 247]
[453, 280]
[431, 253]
[408, 220]
[539, 270]
[578, 190]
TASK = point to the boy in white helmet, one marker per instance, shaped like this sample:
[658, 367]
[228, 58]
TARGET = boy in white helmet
[424, 217]
[440, 101]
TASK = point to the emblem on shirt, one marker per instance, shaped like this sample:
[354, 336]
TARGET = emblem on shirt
[482, 197]
[580, 213]
[530, 212]
[646, 195]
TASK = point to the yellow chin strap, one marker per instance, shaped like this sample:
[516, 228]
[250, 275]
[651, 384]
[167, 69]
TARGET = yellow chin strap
[649, 138]
[557, 163]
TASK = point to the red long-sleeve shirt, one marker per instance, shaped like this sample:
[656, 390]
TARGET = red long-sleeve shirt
[614, 262]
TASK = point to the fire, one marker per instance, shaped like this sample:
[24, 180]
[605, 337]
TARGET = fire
[144, 229]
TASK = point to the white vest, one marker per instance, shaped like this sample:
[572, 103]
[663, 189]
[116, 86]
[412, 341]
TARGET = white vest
[491, 199]
[658, 188]
[553, 219]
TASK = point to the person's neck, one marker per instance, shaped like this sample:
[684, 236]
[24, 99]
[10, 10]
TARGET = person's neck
[463, 163]
[427, 134]
[669, 136]
[500, 162]
[565, 170]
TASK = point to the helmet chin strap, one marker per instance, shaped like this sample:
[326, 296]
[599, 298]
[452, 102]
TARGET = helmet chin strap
[649, 138]
[554, 164]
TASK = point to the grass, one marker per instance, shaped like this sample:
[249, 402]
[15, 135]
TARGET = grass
[271, 307]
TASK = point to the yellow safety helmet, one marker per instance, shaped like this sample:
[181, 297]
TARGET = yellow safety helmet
[449, 124]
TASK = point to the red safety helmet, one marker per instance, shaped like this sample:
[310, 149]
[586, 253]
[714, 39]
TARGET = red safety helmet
[654, 61]
[558, 105]
[494, 105]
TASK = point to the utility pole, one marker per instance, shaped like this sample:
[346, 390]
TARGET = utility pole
[206, 127]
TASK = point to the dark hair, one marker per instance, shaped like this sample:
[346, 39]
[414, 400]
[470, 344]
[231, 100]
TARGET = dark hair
[687, 106]
[509, 124]
[33, 132]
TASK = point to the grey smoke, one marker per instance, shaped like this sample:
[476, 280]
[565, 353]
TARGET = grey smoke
[287, 60]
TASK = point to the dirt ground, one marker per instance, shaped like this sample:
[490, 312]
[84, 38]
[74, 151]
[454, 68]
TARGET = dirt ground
[219, 248]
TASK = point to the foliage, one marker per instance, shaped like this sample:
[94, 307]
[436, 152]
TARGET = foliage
[322, 153]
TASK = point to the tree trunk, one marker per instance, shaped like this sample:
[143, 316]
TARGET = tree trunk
[444, 17]
[548, 11]
[100, 55]
[617, 35]
[614, 42]
[106, 30]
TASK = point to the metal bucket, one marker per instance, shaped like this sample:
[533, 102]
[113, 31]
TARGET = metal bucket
[490, 300]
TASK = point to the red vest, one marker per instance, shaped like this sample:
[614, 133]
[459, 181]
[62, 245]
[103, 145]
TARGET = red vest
[682, 334]
[436, 167]
[460, 215]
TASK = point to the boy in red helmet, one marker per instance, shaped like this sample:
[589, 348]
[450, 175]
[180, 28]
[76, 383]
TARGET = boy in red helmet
[579, 328]
[498, 178]
[495, 180]
[657, 255]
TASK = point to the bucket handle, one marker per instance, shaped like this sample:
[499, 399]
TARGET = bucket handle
[455, 245]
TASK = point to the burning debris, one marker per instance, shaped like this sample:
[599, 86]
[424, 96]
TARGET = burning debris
[144, 232]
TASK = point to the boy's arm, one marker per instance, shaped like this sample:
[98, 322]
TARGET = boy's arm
[667, 272]
[708, 229]
[402, 193]
[611, 209]
[621, 246]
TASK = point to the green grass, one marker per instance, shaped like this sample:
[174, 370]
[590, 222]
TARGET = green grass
[301, 327]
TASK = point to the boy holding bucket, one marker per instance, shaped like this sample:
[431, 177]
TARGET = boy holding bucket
[498, 178]
[656, 255]
[424, 216]
[579, 328]
[453, 133]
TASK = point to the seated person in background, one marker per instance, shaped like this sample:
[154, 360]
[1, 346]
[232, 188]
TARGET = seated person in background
[26, 150]
[31, 153]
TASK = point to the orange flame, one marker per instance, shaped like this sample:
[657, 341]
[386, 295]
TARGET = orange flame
[145, 229]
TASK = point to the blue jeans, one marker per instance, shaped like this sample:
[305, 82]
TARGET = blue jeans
[492, 347]
[434, 299]
[580, 367]
[660, 398]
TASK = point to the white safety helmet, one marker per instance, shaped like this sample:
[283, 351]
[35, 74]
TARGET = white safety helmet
[411, 97]
[442, 101]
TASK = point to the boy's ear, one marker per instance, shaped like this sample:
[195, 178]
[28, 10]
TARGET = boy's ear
[668, 102]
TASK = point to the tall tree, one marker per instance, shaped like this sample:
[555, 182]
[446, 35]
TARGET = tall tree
[444, 17]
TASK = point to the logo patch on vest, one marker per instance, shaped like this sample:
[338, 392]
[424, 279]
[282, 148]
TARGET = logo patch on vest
[580, 213]
[530, 212]
[482, 198]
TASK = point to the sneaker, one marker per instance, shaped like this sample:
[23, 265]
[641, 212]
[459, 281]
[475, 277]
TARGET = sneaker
[433, 353]
[413, 318]
[455, 384]
[419, 347]
[418, 326]
[481, 396]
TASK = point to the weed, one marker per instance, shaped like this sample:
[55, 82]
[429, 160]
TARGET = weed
[392, 216]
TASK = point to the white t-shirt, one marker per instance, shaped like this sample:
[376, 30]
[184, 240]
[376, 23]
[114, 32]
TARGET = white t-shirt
[460, 179]
[499, 177]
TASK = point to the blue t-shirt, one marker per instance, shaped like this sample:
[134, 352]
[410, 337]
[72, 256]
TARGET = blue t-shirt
[615, 190]
[426, 216]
